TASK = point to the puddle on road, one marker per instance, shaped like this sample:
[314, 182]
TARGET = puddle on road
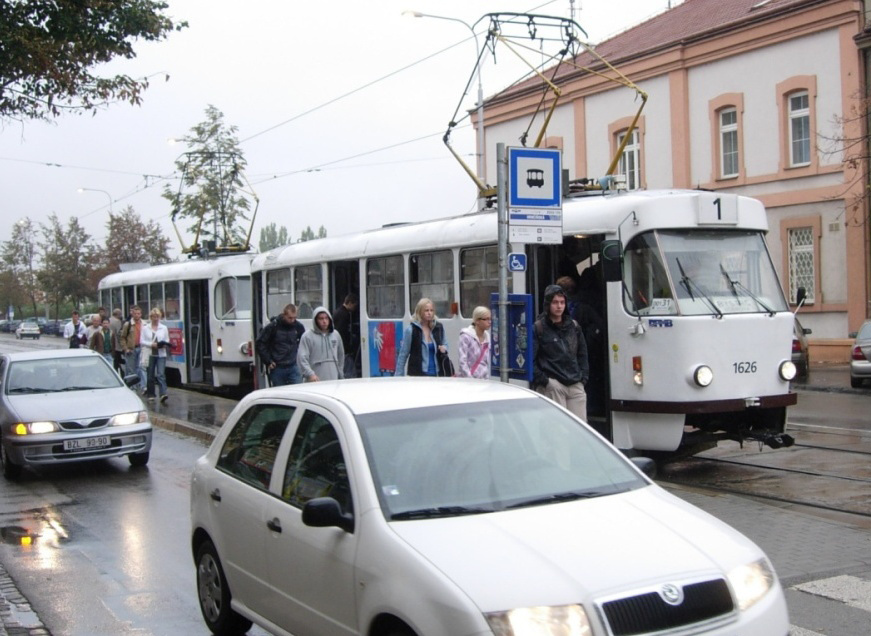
[44, 531]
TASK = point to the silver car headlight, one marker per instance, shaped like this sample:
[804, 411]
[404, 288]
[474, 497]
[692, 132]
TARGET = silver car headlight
[125, 419]
[35, 428]
[751, 582]
[562, 620]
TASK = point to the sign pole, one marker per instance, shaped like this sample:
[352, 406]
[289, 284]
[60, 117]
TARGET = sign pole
[502, 239]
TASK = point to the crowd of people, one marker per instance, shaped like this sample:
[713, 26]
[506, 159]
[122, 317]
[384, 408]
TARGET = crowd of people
[568, 327]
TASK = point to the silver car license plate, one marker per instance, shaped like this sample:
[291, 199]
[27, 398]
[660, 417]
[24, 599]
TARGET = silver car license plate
[87, 443]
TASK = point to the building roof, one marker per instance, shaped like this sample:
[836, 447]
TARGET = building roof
[690, 21]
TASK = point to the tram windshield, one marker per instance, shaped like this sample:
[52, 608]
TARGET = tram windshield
[700, 272]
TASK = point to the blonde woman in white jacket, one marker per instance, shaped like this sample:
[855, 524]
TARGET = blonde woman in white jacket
[474, 346]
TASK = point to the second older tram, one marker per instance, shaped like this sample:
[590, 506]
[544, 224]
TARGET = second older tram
[207, 308]
[693, 340]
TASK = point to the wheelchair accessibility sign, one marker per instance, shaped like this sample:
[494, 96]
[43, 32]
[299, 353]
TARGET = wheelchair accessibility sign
[516, 262]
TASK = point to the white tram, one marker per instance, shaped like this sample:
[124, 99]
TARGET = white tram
[695, 338]
[207, 309]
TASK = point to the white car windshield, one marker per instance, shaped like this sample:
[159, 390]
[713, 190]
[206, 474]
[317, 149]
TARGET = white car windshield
[484, 457]
[60, 374]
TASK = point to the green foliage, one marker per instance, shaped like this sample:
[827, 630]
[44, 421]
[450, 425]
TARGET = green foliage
[309, 235]
[271, 237]
[212, 193]
[49, 50]
[19, 260]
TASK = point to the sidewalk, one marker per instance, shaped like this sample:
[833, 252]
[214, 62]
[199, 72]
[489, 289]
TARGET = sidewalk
[832, 378]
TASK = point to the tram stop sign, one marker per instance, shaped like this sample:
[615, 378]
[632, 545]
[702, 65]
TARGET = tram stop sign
[535, 213]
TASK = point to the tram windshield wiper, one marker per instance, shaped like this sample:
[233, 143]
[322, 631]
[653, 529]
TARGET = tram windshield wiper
[737, 284]
[689, 283]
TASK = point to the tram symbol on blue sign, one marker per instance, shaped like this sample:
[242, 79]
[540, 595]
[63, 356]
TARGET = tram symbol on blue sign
[516, 262]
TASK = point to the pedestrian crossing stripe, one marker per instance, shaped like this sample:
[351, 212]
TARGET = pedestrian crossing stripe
[850, 590]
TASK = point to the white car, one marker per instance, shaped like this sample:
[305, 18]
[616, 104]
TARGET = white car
[451, 507]
[28, 330]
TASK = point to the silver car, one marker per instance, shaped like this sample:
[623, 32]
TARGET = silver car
[860, 358]
[67, 405]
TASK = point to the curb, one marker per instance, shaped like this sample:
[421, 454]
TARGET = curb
[16, 615]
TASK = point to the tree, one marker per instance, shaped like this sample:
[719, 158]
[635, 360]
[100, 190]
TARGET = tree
[20, 258]
[67, 259]
[130, 240]
[271, 237]
[213, 174]
[49, 50]
[308, 235]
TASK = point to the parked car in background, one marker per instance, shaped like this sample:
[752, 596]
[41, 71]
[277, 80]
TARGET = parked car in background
[409, 506]
[800, 357]
[53, 327]
[860, 357]
[28, 329]
[10, 326]
[67, 405]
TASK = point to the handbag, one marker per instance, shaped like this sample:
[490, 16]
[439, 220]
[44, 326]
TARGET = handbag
[444, 366]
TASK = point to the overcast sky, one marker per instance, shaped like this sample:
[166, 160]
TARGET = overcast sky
[328, 99]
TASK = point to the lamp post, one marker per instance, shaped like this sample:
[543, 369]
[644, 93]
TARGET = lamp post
[480, 151]
[108, 196]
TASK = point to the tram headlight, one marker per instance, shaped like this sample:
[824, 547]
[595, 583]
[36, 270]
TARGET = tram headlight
[703, 375]
[220, 346]
[787, 370]
[637, 371]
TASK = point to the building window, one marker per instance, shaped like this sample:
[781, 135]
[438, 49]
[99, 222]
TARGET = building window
[801, 262]
[630, 160]
[799, 129]
[729, 142]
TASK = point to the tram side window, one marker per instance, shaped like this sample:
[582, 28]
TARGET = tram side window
[308, 290]
[142, 299]
[479, 277]
[384, 285]
[431, 275]
[156, 297]
[117, 301]
[233, 298]
[172, 302]
[647, 286]
[278, 292]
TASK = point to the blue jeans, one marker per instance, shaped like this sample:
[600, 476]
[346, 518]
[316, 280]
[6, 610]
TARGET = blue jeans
[131, 362]
[156, 371]
[280, 376]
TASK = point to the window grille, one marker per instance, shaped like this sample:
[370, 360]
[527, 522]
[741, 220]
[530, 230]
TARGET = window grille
[801, 263]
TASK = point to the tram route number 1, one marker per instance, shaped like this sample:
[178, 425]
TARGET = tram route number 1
[744, 367]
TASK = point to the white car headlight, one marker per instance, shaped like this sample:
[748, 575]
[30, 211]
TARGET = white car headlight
[35, 428]
[125, 419]
[563, 620]
[751, 582]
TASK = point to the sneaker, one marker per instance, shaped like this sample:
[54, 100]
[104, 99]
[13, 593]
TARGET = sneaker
[163, 398]
[151, 398]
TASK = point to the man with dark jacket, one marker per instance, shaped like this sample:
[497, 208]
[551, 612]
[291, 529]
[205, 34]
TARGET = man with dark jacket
[277, 346]
[560, 366]
[346, 323]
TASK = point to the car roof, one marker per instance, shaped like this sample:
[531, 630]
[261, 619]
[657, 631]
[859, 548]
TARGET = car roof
[48, 354]
[372, 395]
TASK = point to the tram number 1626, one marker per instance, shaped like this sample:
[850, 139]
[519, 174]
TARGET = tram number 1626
[744, 367]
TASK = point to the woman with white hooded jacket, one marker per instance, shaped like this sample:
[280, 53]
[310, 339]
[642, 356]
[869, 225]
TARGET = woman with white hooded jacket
[321, 355]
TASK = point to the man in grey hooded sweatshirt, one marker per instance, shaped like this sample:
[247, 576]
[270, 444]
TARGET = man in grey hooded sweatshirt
[321, 355]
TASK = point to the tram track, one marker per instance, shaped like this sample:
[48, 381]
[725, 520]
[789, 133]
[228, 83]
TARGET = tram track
[800, 475]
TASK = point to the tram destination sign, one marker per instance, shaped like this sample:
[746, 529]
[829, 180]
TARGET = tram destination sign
[535, 213]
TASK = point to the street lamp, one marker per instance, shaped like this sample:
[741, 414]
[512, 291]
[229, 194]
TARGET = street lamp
[480, 154]
[109, 196]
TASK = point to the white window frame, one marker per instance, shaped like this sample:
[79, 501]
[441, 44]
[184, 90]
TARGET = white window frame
[795, 250]
[729, 131]
[630, 159]
[799, 116]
